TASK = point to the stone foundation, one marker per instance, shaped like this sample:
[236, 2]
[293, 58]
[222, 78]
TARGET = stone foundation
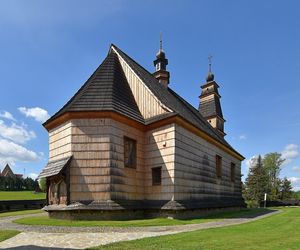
[111, 210]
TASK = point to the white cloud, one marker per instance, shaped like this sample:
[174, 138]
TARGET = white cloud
[296, 169]
[7, 115]
[289, 153]
[11, 152]
[37, 113]
[32, 176]
[252, 161]
[242, 137]
[15, 132]
[295, 183]
[297, 188]
[294, 180]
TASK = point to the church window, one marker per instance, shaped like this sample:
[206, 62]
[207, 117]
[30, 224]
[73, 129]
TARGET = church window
[129, 152]
[219, 166]
[156, 176]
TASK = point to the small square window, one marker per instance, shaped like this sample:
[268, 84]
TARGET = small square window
[232, 171]
[219, 166]
[129, 152]
[156, 176]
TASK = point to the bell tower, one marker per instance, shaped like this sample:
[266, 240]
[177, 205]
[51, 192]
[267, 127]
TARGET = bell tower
[210, 106]
[160, 63]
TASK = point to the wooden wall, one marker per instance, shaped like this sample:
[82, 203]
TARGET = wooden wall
[149, 105]
[159, 152]
[195, 169]
[60, 142]
[90, 167]
[97, 169]
[126, 183]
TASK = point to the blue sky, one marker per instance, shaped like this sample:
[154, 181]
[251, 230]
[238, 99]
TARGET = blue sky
[49, 48]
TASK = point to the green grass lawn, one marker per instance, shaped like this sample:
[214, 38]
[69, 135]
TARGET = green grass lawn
[14, 213]
[44, 220]
[6, 234]
[21, 195]
[279, 231]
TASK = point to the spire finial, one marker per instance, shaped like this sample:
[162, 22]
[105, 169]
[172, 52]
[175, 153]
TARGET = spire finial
[160, 41]
[210, 75]
[209, 62]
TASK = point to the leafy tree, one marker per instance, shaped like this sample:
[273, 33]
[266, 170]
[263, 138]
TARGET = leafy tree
[286, 189]
[272, 163]
[17, 184]
[256, 184]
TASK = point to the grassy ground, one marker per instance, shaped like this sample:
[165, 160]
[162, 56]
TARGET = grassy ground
[44, 220]
[6, 234]
[21, 195]
[31, 211]
[280, 231]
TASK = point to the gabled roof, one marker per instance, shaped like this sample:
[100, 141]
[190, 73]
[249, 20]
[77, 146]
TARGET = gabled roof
[108, 90]
[7, 172]
[171, 99]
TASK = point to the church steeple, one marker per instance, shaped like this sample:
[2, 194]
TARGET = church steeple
[210, 106]
[160, 63]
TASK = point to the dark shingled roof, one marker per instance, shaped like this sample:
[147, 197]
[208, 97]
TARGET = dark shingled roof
[108, 90]
[54, 167]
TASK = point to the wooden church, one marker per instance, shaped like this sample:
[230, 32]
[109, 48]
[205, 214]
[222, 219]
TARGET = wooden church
[126, 146]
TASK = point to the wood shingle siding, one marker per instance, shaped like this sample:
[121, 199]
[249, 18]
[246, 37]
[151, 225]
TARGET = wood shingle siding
[193, 179]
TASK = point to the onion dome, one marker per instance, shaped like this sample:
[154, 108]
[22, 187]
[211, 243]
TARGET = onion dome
[160, 54]
[210, 77]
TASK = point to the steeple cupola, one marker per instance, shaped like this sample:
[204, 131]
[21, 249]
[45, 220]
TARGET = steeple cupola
[210, 106]
[160, 63]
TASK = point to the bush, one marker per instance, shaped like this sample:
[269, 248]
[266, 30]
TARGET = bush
[42, 184]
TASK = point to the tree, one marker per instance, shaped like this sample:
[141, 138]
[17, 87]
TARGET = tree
[256, 184]
[16, 184]
[272, 163]
[286, 189]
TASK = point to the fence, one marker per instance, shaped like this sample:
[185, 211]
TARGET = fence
[15, 205]
[282, 203]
